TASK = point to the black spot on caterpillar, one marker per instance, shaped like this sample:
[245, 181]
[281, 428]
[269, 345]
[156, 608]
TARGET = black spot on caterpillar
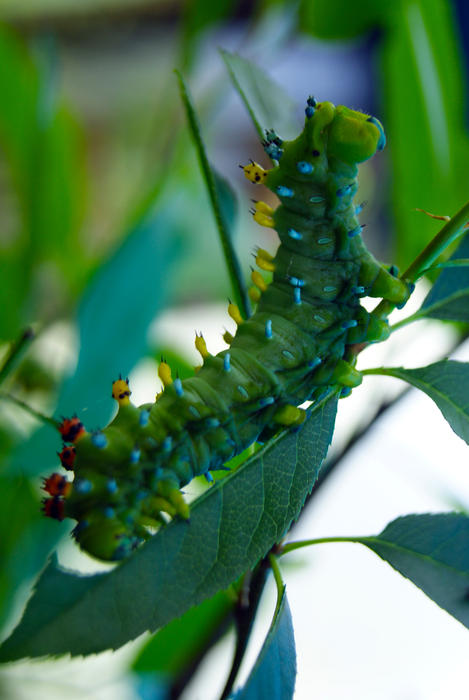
[290, 351]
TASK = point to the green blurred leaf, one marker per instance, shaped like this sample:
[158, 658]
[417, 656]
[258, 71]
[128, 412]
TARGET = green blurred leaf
[274, 673]
[268, 104]
[232, 526]
[222, 200]
[448, 299]
[26, 538]
[341, 19]
[44, 160]
[424, 118]
[447, 383]
[431, 551]
[197, 17]
[115, 312]
[178, 645]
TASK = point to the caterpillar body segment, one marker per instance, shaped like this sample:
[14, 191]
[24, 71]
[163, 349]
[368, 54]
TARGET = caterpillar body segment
[128, 476]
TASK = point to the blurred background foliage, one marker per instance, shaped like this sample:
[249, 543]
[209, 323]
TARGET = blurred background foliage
[104, 217]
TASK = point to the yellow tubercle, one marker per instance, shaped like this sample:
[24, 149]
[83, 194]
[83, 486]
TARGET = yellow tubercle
[201, 346]
[121, 391]
[255, 173]
[254, 294]
[264, 260]
[263, 219]
[164, 373]
[234, 312]
[258, 280]
[228, 337]
[264, 208]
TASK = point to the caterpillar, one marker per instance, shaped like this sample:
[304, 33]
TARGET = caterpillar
[128, 476]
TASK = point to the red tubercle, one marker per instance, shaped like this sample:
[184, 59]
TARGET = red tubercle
[67, 457]
[57, 485]
[71, 429]
[53, 508]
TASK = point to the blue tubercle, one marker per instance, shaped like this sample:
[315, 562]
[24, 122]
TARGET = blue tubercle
[227, 362]
[345, 391]
[357, 289]
[314, 362]
[167, 443]
[209, 477]
[283, 191]
[360, 207]
[295, 281]
[349, 324]
[82, 485]
[135, 456]
[268, 329]
[111, 485]
[99, 440]
[212, 422]
[382, 135]
[143, 418]
[109, 512]
[323, 241]
[178, 387]
[355, 231]
[296, 235]
[304, 167]
[342, 191]
[297, 295]
[266, 401]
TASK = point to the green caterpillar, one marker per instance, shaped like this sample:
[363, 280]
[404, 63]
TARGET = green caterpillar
[291, 350]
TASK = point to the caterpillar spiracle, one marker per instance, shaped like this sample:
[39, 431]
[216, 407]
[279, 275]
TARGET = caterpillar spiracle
[291, 350]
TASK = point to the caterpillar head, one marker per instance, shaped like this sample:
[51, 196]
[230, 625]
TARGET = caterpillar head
[353, 136]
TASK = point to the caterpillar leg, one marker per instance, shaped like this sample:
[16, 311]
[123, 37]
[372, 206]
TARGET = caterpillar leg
[379, 282]
[369, 328]
[347, 375]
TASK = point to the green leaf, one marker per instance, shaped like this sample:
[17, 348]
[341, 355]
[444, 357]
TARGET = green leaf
[178, 645]
[341, 19]
[448, 299]
[232, 526]
[197, 17]
[268, 104]
[424, 118]
[447, 383]
[223, 204]
[274, 673]
[26, 538]
[115, 312]
[431, 551]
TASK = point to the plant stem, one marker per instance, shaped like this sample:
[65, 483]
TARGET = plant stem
[278, 580]
[234, 269]
[244, 615]
[291, 546]
[15, 353]
[48, 420]
[450, 231]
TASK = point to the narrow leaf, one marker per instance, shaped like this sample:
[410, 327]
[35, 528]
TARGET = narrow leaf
[267, 103]
[232, 526]
[447, 383]
[274, 673]
[218, 190]
[431, 551]
[448, 299]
